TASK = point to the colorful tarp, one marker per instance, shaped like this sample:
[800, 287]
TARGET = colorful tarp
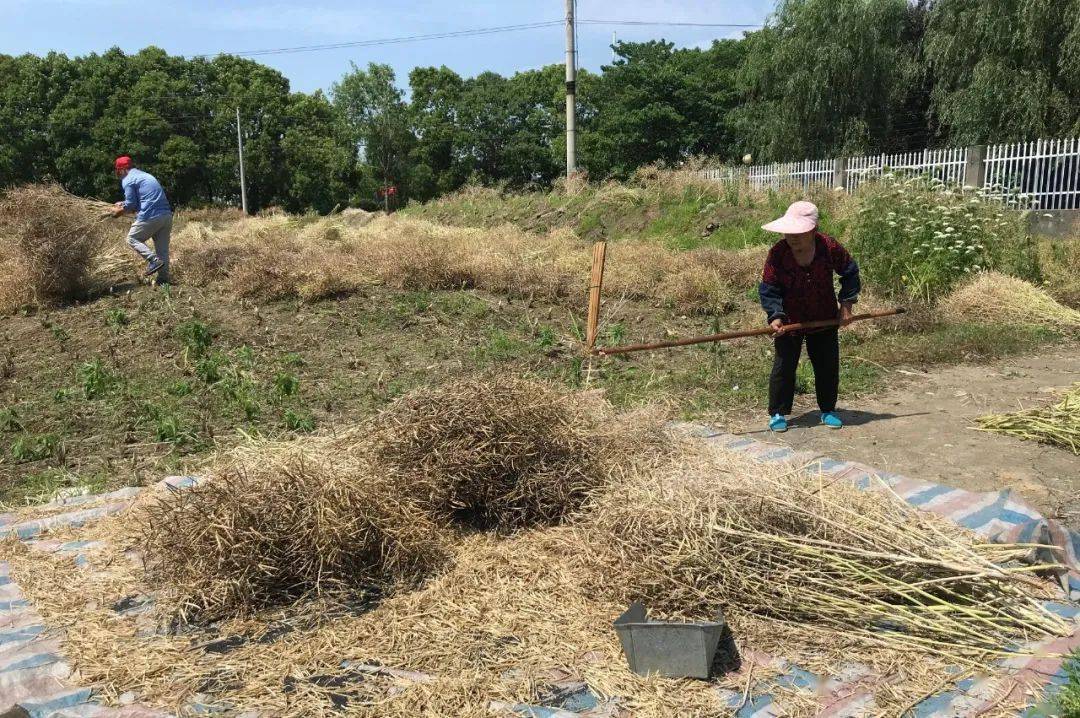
[34, 675]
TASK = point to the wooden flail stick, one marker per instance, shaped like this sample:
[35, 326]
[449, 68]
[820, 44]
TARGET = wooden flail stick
[609, 351]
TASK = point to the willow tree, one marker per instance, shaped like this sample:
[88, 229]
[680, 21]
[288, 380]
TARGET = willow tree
[1006, 70]
[829, 76]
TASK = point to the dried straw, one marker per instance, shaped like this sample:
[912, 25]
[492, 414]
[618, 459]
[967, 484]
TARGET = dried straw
[266, 258]
[505, 453]
[994, 298]
[511, 616]
[373, 509]
[278, 522]
[1057, 425]
[795, 550]
[51, 244]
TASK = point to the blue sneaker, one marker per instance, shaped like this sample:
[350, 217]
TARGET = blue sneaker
[778, 423]
[831, 420]
[153, 267]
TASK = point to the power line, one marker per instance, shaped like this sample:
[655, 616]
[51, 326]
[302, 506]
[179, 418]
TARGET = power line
[660, 23]
[469, 33]
[392, 40]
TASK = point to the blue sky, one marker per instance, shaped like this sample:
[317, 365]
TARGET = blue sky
[77, 27]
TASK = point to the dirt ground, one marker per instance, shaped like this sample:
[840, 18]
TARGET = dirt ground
[921, 429]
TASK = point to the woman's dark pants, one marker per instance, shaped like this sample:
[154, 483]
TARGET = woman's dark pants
[823, 348]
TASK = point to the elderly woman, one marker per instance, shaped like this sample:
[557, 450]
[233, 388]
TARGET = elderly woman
[797, 286]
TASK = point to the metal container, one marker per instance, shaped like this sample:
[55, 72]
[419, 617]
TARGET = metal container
[677, 650]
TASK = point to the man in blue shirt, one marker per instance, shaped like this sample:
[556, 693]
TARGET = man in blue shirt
[144, 197]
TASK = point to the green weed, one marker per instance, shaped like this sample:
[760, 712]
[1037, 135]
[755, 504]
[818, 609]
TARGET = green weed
[1069, 698]
[168, 426]
[500, 346]
[116, 318]
[9, 420]
[804, 378]
[913, 239]
[949, 343]
[286, 384]
[545, 337]
[34, 447]
[209, 368]
[179, 388]
[95, 378]
[293, 360]
[409, 303]
[299, 421]
[196, 338]
[577, 328]
[62, 395]
[239, 386]
[461, 304]
[60, 334]
[613, 334]
[43, 486]
[396, 388]
[246, 355]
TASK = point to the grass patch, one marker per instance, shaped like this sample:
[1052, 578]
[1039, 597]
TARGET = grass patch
[196, 338]
[1069, 699]
[501, 347]
[950, 344]
[34, 447]
[96, 380]
[292, 360]
[286, 384]
[167, 425]
[9, 420]
[43, 486]
[116, 318]
[299, 421]
[60, 334]
[462, 305]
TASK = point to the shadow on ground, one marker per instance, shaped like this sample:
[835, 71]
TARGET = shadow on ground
[850, 417]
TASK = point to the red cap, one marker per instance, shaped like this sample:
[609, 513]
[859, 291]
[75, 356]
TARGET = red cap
[123, 163]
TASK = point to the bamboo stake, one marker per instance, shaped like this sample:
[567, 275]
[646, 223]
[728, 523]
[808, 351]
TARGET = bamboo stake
[596, 281]
[738, 335]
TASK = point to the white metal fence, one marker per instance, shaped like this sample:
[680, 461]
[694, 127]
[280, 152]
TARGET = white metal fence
[1046, 171]
[946, 165]
[805, 174]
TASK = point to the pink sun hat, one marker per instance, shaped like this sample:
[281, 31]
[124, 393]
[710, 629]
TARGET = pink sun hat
[800, 217]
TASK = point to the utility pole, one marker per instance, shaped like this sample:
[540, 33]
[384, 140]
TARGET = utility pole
[240, 149]
[614, 42]
[571, 91]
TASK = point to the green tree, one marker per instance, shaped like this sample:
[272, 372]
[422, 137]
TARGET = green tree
[826, 77]
[508, 127]
[377, 119]
[67, 119]
[659, 104]
[1005, 70]
[24, 107]
[318, 155]
[434, 162]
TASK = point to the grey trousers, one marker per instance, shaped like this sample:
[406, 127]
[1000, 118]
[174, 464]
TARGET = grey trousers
[158, 229]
